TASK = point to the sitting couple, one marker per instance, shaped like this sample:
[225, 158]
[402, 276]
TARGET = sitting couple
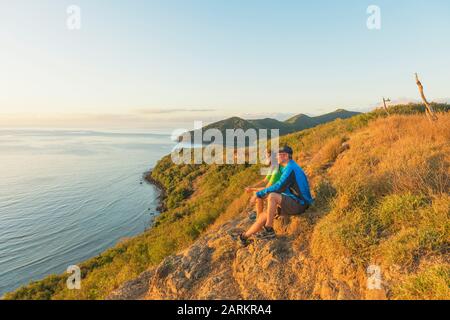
[287, 193]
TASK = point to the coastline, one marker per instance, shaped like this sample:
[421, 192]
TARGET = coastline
[162, 190]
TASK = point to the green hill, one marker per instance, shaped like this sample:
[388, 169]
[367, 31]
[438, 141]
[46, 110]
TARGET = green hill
[338, 114]
[269, 123]
[296, 123]
[301, 121]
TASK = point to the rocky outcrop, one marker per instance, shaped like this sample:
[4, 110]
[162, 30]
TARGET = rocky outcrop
[133, 290]
[217, 267]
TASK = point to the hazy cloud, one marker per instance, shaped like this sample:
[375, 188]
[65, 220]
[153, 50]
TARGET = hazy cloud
[170, 111]
[444, 100]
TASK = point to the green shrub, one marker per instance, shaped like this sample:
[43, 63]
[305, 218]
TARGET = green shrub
[401, 211]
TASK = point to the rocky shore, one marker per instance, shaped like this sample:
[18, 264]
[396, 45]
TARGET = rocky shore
[162, 191]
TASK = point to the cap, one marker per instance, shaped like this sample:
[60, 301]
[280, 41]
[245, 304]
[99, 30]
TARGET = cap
[286, 149]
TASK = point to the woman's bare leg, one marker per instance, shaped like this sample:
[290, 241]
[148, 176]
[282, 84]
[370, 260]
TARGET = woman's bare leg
[259, 206]
[252, 201]
[257, 226]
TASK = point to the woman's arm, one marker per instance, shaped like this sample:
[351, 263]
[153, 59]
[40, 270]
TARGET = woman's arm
[258, 187]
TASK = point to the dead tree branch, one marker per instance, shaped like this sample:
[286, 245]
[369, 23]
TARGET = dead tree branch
[429, 108]
[385, 105]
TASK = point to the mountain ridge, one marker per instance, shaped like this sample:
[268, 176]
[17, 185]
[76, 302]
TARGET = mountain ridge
[293, 124]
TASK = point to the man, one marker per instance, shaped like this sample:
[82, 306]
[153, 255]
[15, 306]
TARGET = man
[291, 193]
[272, 178]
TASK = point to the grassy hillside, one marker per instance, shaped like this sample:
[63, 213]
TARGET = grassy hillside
[391, 206]
[382, 201]
[385, 199]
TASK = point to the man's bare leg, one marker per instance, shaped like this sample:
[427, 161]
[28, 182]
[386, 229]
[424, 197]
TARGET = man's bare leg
[273, 201]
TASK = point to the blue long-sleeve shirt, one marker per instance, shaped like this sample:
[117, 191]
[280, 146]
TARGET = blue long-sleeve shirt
[292, 183]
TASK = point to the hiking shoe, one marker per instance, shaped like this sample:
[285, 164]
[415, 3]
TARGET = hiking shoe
[252, 216]
[266, 233]
[243, 240]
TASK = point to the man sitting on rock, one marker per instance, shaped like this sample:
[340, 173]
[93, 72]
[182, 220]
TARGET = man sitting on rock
[290, 195]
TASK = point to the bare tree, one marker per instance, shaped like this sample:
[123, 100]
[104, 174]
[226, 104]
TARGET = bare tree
[429, 108]
[385, 105]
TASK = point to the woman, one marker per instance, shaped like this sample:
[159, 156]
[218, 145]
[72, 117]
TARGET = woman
[272, 178]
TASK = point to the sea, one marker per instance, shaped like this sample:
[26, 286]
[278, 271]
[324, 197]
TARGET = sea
[68, 195]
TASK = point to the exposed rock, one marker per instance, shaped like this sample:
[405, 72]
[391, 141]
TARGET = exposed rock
[133, 290]
[217, 267]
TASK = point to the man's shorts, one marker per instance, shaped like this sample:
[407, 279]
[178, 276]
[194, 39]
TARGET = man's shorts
[291, 207]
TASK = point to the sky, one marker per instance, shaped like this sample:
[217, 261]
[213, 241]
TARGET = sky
[160, 64]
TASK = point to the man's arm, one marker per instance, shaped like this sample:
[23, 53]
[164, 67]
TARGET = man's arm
[280, 186]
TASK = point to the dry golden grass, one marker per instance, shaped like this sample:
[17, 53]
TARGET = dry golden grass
[382, 197]
[392, 201]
